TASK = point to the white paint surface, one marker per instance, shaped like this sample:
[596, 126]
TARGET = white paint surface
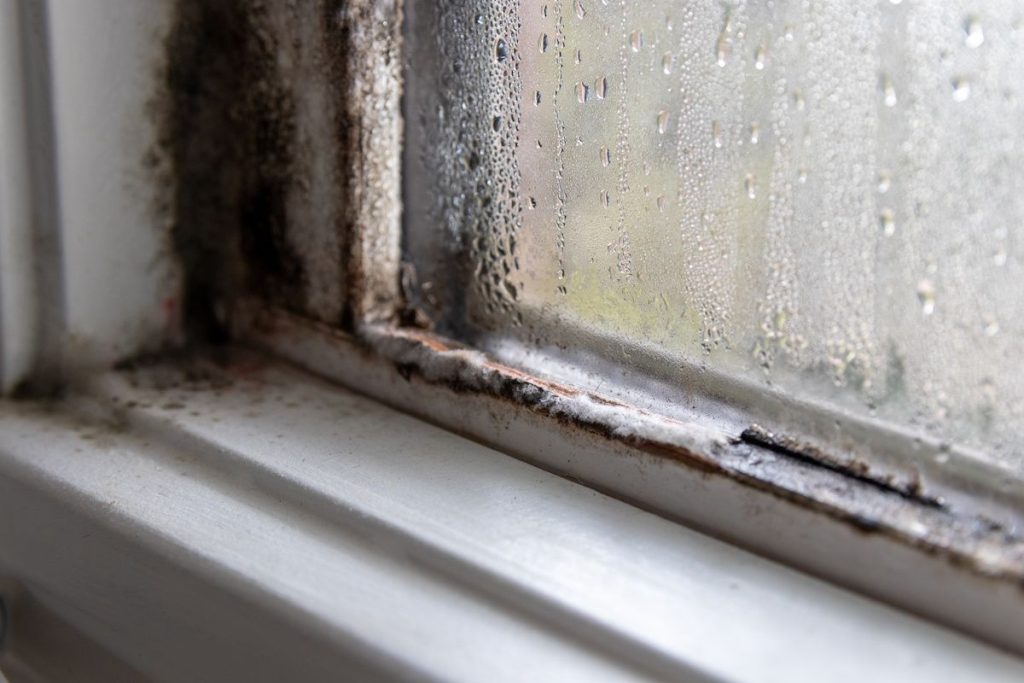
[119, 285]
[358, 536]
[17, 315]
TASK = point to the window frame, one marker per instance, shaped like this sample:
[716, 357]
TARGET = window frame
[759, 493]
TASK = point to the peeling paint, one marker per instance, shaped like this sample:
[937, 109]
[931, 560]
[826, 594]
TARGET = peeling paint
[441, 361]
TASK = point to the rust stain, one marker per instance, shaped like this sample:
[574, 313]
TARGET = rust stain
[536, 394]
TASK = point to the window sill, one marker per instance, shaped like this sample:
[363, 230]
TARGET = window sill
[201, 522]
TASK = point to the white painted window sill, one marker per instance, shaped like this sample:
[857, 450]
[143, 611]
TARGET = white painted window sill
[276, 525]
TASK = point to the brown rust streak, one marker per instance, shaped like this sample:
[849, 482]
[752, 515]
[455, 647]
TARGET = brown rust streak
[440, 344]
[534, 393]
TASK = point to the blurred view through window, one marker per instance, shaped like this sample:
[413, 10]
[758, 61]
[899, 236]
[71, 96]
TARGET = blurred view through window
[820, 198]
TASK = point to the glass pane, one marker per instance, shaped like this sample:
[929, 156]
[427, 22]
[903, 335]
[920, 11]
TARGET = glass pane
[820, 202]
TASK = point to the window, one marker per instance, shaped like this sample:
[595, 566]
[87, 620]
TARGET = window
[774, 244]
[753, 266]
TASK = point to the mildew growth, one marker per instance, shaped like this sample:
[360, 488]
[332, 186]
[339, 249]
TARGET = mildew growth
[280, 123]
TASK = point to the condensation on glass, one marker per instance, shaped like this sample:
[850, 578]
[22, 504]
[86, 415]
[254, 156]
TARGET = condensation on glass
[820, 200]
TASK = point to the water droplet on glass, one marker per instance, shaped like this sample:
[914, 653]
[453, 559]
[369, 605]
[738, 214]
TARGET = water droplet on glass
[961, 89]
[999, 258]
[580, 10]
[974, 36]
[542, 42]
[755, 133]
[501, 50]
[496, 123]
[636, 40]
[887, 221]
[759, 58]
[988, 386]
[801, 176]
[991, 325]
[884, 182]
[723, 49]
[662, 122]
[537, 97]
[661, 202]
[716, 133]
[926, 295]
[888, 91]
[606, 156]
[601, 88]
[578, 56]
[606, 199]
[750, 183]
[582, 92]
[667, 62]
[798, 100]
